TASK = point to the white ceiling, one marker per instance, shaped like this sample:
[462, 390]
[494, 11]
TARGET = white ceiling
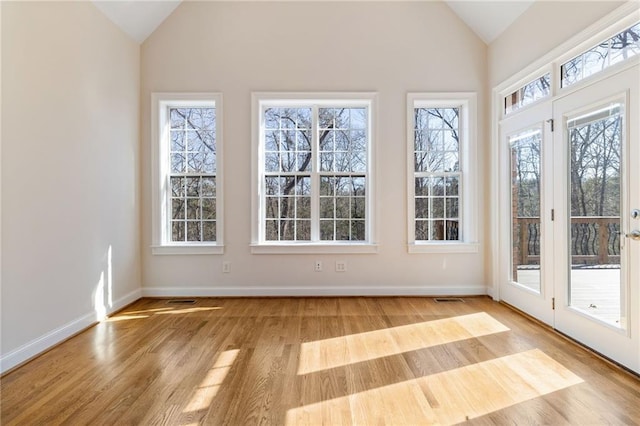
[488, 19]
[139, 18]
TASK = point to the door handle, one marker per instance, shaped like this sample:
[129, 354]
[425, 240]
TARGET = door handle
[634, 235]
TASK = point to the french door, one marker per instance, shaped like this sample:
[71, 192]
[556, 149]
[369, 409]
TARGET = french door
[597, 280]
[526, 183]
[569, 215]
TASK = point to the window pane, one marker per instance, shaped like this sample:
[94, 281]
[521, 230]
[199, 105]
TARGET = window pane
[436, 199]
[193, 208]
[178, 231]
[178, 208]
[357, 230]
[303, 230]
[529, 93]
[209, 231]
[525, 212]
[271, 231]
[291, 151]
[303, 207]
[178, 163]
[194, 231]
[208, 208]
[422, 208]
[327, 207]
[618, 48]
[177, 141]
[192, 150]
[327, 230]
[193, 186]
[208, 186]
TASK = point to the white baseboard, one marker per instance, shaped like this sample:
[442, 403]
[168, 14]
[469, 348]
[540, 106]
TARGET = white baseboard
[37, 346]
[310, 291]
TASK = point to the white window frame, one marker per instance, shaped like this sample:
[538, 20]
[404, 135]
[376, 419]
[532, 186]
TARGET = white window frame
[160, 167]
[608, 26]
[262, 100]
[468, 210]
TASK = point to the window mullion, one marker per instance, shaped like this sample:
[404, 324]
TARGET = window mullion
[315, 176]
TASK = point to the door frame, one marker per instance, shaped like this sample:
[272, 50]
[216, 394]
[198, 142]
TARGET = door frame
[538, 305]
[621, 345]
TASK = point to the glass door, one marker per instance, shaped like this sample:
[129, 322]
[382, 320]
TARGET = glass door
[526, 194]
[598, 186]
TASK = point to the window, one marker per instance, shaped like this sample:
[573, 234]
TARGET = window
[529, 93]
[441, 148]
[187, 174]
[314, 165]
[618, 48]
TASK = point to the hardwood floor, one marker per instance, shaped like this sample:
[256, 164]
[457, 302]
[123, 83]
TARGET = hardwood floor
[294, 361]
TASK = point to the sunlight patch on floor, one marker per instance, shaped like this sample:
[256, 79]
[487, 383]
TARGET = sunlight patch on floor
[125, 318]
[449, 397]
[345, 350]
[210, 385]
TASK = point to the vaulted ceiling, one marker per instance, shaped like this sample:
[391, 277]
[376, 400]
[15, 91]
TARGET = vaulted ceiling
[488, 19]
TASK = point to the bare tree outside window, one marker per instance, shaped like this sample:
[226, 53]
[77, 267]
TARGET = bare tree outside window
[618, 48]
[192, 177]
[335, 156]
[437, 174]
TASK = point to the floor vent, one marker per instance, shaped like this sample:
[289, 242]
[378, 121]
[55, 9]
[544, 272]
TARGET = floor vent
[448, 299]
[181, 302]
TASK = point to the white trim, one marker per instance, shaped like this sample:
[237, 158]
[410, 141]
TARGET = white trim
[54, 337]
[614, 21]
[443, 247]
[187, 249]
[160, 101]
[351, 99]
[314, 248]
[255, 291]
[468, 129]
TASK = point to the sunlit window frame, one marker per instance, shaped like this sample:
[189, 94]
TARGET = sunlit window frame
[468, 205]
[262, 100]
[160, 165]
[613, 23]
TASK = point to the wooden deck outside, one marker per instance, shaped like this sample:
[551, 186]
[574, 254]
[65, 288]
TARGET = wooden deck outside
[594, 290]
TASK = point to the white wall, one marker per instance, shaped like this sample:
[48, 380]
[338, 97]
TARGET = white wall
[541, 28]
[238, 47]
[70, 154]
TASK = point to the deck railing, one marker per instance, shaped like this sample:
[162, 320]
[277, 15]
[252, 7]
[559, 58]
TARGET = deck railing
[595, 240]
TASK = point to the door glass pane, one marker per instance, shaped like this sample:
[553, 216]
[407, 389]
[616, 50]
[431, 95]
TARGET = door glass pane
[595, 285]
[525, 208]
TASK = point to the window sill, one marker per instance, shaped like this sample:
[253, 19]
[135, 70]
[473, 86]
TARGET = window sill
[443, 247]
[310, 248]
[197, 249]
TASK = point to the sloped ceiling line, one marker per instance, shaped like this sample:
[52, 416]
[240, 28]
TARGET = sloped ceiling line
[488, 19]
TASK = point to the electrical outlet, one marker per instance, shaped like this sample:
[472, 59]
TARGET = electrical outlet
[341, 266]
[226, 266]
[318, 266]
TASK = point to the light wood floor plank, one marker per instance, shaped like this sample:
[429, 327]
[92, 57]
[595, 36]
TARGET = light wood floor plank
[313, 361]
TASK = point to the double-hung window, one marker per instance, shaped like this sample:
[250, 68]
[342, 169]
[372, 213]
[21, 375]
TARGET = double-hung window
[442, 173]
[314, 160]
[187, 184]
